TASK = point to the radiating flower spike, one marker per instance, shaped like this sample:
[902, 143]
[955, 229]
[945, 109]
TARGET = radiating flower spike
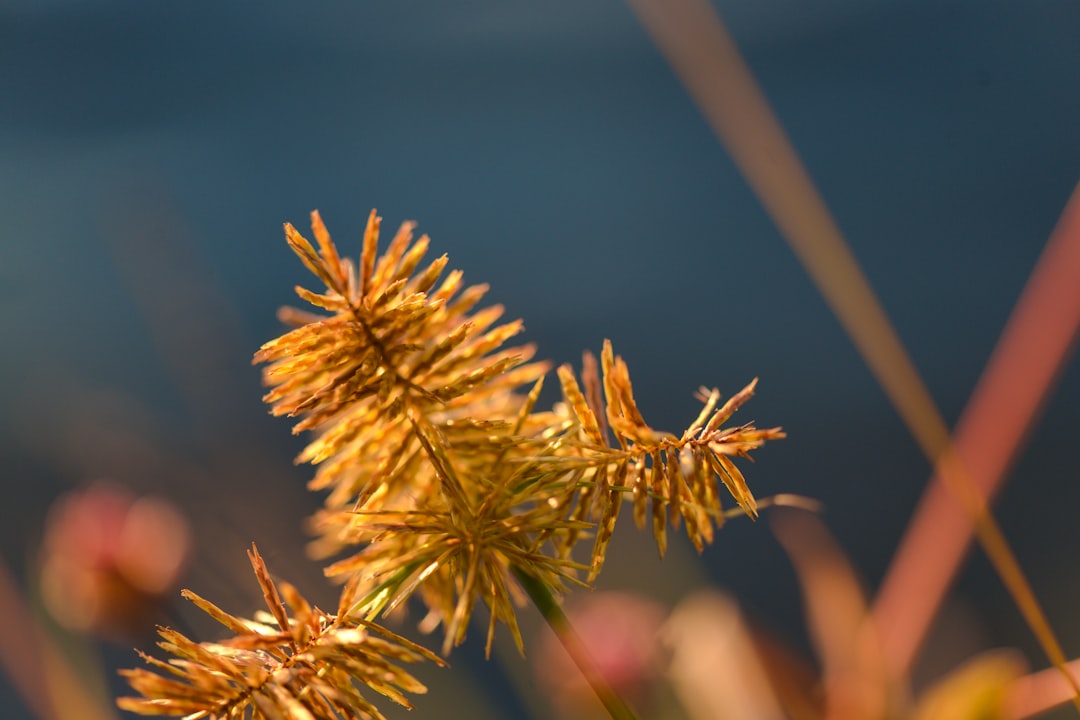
[669, 478]
[309, 665]
[396, 341]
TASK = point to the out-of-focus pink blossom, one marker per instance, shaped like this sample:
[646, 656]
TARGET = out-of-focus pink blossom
[621, 633]
[111, 559]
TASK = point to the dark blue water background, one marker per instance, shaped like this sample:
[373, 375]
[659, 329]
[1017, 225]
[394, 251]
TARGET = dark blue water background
[149, 152]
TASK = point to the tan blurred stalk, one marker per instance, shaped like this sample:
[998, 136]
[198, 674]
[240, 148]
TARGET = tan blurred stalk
[854, 679]
[715, 669]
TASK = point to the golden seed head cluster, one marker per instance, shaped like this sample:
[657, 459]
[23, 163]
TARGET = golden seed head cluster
[443, 480]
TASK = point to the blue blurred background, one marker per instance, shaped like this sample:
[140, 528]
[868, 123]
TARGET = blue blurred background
[149, 152]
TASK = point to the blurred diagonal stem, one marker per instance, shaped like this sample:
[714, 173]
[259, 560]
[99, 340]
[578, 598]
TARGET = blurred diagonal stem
[553, 613]
[703, 55]
[1018, 379]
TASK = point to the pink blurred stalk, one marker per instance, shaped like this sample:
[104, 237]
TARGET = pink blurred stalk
[52, 687]
[1012, 390]
[1038, 692]
[20, 652]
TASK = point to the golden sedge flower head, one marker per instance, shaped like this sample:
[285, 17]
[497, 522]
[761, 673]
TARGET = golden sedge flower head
[489, 523]
[442, 479]
[675, 475]
[309, 665]
[395, 340]
[439, 469]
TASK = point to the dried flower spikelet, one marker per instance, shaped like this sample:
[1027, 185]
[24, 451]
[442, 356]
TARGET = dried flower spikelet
[669, 478]
[467, 544]
[396, 342]
[293, 661]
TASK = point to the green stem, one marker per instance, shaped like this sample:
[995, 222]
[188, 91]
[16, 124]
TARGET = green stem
[551, 610]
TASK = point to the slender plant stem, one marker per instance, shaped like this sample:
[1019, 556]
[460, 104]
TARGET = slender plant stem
[560, 624]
